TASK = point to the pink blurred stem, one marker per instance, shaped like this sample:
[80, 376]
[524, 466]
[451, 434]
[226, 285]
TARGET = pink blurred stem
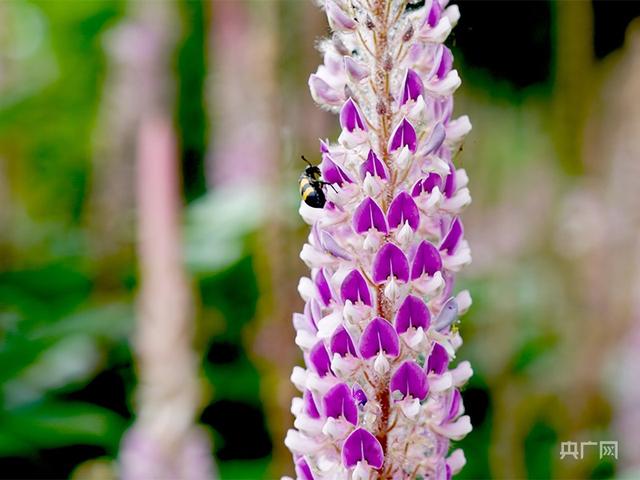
[164, 441]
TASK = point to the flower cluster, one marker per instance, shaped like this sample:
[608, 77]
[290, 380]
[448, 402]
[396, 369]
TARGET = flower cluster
[378, 331]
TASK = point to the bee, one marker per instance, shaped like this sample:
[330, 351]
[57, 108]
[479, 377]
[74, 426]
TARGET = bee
[311, 183]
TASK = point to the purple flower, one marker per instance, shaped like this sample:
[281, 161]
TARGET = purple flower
[359, 396]
[432, 181]
[448, 314]
[403, 209]
[384, 253]
[413, 313]
[369, 215]
[450, 182]
[413, 86]
[310, 407]
[356, 70]
[454, 405]
[410, 380]
[433, 13]
[427, 260]
[427, 184]
[303, 471]
[404, 135]
[373, 166]
[452, 240]
[379, 337]
[338, 402]
[438, 360]
[323, 287]
[322, 92]
[445, 63]
[337, 18]
[354, 287]
[433, 143]
[350, 118]
[331, 172]
[390, 262]
[342, 344]
[312, 312]
[362, 446]
[329, 243]
[319, 359]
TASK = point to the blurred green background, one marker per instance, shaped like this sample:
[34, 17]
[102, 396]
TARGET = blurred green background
[552, 89]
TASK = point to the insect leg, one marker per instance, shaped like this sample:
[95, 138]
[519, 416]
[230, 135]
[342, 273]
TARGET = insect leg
[322, 182]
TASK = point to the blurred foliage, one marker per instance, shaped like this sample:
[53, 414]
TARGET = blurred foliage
[66, 371]
[192, 122]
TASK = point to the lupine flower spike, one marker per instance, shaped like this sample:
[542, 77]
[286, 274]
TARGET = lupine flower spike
[378, 331]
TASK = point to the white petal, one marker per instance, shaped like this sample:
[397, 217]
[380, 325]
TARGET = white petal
[343, 366]
[457, 129]
[457, 429]
[446, 86]
[439, 383]
[393, 290]
[337, 278]
[456, 460]
[323, 92]
[439, 33]
[297, 406]
[328, 324]
[353, 139]
[313, 257]
[299, 378]
[462, 179]
[414, 337]
[453, 14]
[410, 407]
[381, 364]
[371, 185]
[459, 259]
[461, 373]
[429, 285]
[356, 71]
[309, 214]
[405, 235]
[461, 199]
[371, 241]
[404, 157]
[438, 165]
[417, 109]
[434, 198]
[306, 289]
[361, 472]
[301, 322]
[306, 424]
[305, 339]
[300, 443]
[464, 301]
[330, 467]
[318, 384]
[336, 428]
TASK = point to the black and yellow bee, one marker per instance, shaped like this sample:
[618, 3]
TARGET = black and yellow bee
[311, 183]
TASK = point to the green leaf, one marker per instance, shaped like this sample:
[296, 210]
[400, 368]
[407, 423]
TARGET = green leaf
[111, 321]
[51, 424]
[217, 224]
